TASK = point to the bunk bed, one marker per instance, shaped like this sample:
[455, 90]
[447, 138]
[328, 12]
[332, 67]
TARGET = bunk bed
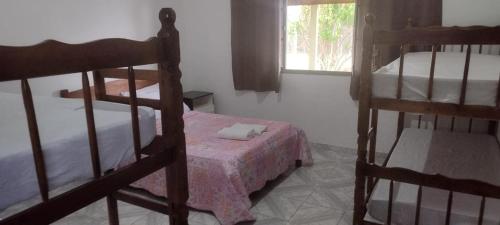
[430, 176]
[221, 173]
[75, 140]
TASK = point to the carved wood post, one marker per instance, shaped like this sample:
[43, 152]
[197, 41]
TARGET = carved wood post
[363, 121]
[171, 116]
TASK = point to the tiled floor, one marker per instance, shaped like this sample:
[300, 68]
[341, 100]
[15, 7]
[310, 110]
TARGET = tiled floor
[317, 195]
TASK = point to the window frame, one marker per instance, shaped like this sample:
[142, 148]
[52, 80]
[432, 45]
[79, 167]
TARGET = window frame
[284, 34]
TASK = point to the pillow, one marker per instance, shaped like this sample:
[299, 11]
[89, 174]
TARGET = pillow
[150, 92]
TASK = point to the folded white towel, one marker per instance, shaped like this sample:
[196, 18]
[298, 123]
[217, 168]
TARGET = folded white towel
[257, 128]
[236, 133]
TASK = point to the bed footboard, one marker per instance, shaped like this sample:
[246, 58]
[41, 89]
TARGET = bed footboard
[167, 151]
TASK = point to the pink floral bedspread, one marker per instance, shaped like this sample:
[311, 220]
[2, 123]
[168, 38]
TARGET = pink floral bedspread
[222, 173]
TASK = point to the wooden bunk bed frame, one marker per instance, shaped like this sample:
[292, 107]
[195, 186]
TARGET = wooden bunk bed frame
[167, 151]
[111, 91]
[367, 172]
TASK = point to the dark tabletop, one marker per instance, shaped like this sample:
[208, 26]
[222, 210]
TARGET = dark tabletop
[196, 94]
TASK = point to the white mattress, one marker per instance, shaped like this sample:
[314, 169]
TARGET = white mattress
[455, 155]
[63, 133]
[481, 88]
[151, 92]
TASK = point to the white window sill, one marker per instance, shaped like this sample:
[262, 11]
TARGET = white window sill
[316, 72]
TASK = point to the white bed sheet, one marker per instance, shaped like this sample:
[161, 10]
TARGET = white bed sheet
[455, 155]
[481, 88]
[151, 92]
[64, 140]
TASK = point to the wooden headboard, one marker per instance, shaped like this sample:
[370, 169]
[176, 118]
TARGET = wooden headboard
[110, 91]
[144, 78]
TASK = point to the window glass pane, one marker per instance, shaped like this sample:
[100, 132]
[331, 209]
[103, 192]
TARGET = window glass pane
[320, 37]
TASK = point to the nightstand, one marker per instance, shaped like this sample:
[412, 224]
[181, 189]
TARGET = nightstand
[200, 101]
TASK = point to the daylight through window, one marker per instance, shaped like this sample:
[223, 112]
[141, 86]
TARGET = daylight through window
[319, 36]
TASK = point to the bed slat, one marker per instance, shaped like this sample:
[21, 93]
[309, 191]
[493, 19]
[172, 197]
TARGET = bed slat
[452, 127]
[373, 144]
[436, 117]
[419, 204]
[401, 69]
[419, 121]
[99, 85]
[373, 137]
[389, 209]
[470, 125]
[35, 140]
[431, 76]
[89, 113]
[134, 113]
[481, 211]
[448, 207]
[463, 91]
[401, 123]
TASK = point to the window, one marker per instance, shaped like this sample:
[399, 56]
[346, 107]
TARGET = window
[319, 37]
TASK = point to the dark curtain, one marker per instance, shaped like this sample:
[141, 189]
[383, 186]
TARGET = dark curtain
[390, 15]
[255, 42]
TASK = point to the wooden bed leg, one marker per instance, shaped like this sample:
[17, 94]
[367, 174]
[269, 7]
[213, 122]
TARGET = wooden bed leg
[112, 211]
[181, 214]
[177, 203]
[363, 123]
[171, 118]
[359, 195]
[177, 186]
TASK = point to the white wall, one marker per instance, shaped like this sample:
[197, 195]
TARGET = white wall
[27, 22]
[468, 13]
[319, 104]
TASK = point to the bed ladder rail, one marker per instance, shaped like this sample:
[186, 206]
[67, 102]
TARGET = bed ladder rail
[143, 199]
[467, 186]
[473, 187]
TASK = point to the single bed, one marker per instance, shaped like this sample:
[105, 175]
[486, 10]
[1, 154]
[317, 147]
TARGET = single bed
[484, 74]
[221, 173]
[47, 142]
[18, 179]
[451, 154]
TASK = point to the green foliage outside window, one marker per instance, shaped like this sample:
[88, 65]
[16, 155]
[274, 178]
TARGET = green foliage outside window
[331, 32]
[333, 19]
